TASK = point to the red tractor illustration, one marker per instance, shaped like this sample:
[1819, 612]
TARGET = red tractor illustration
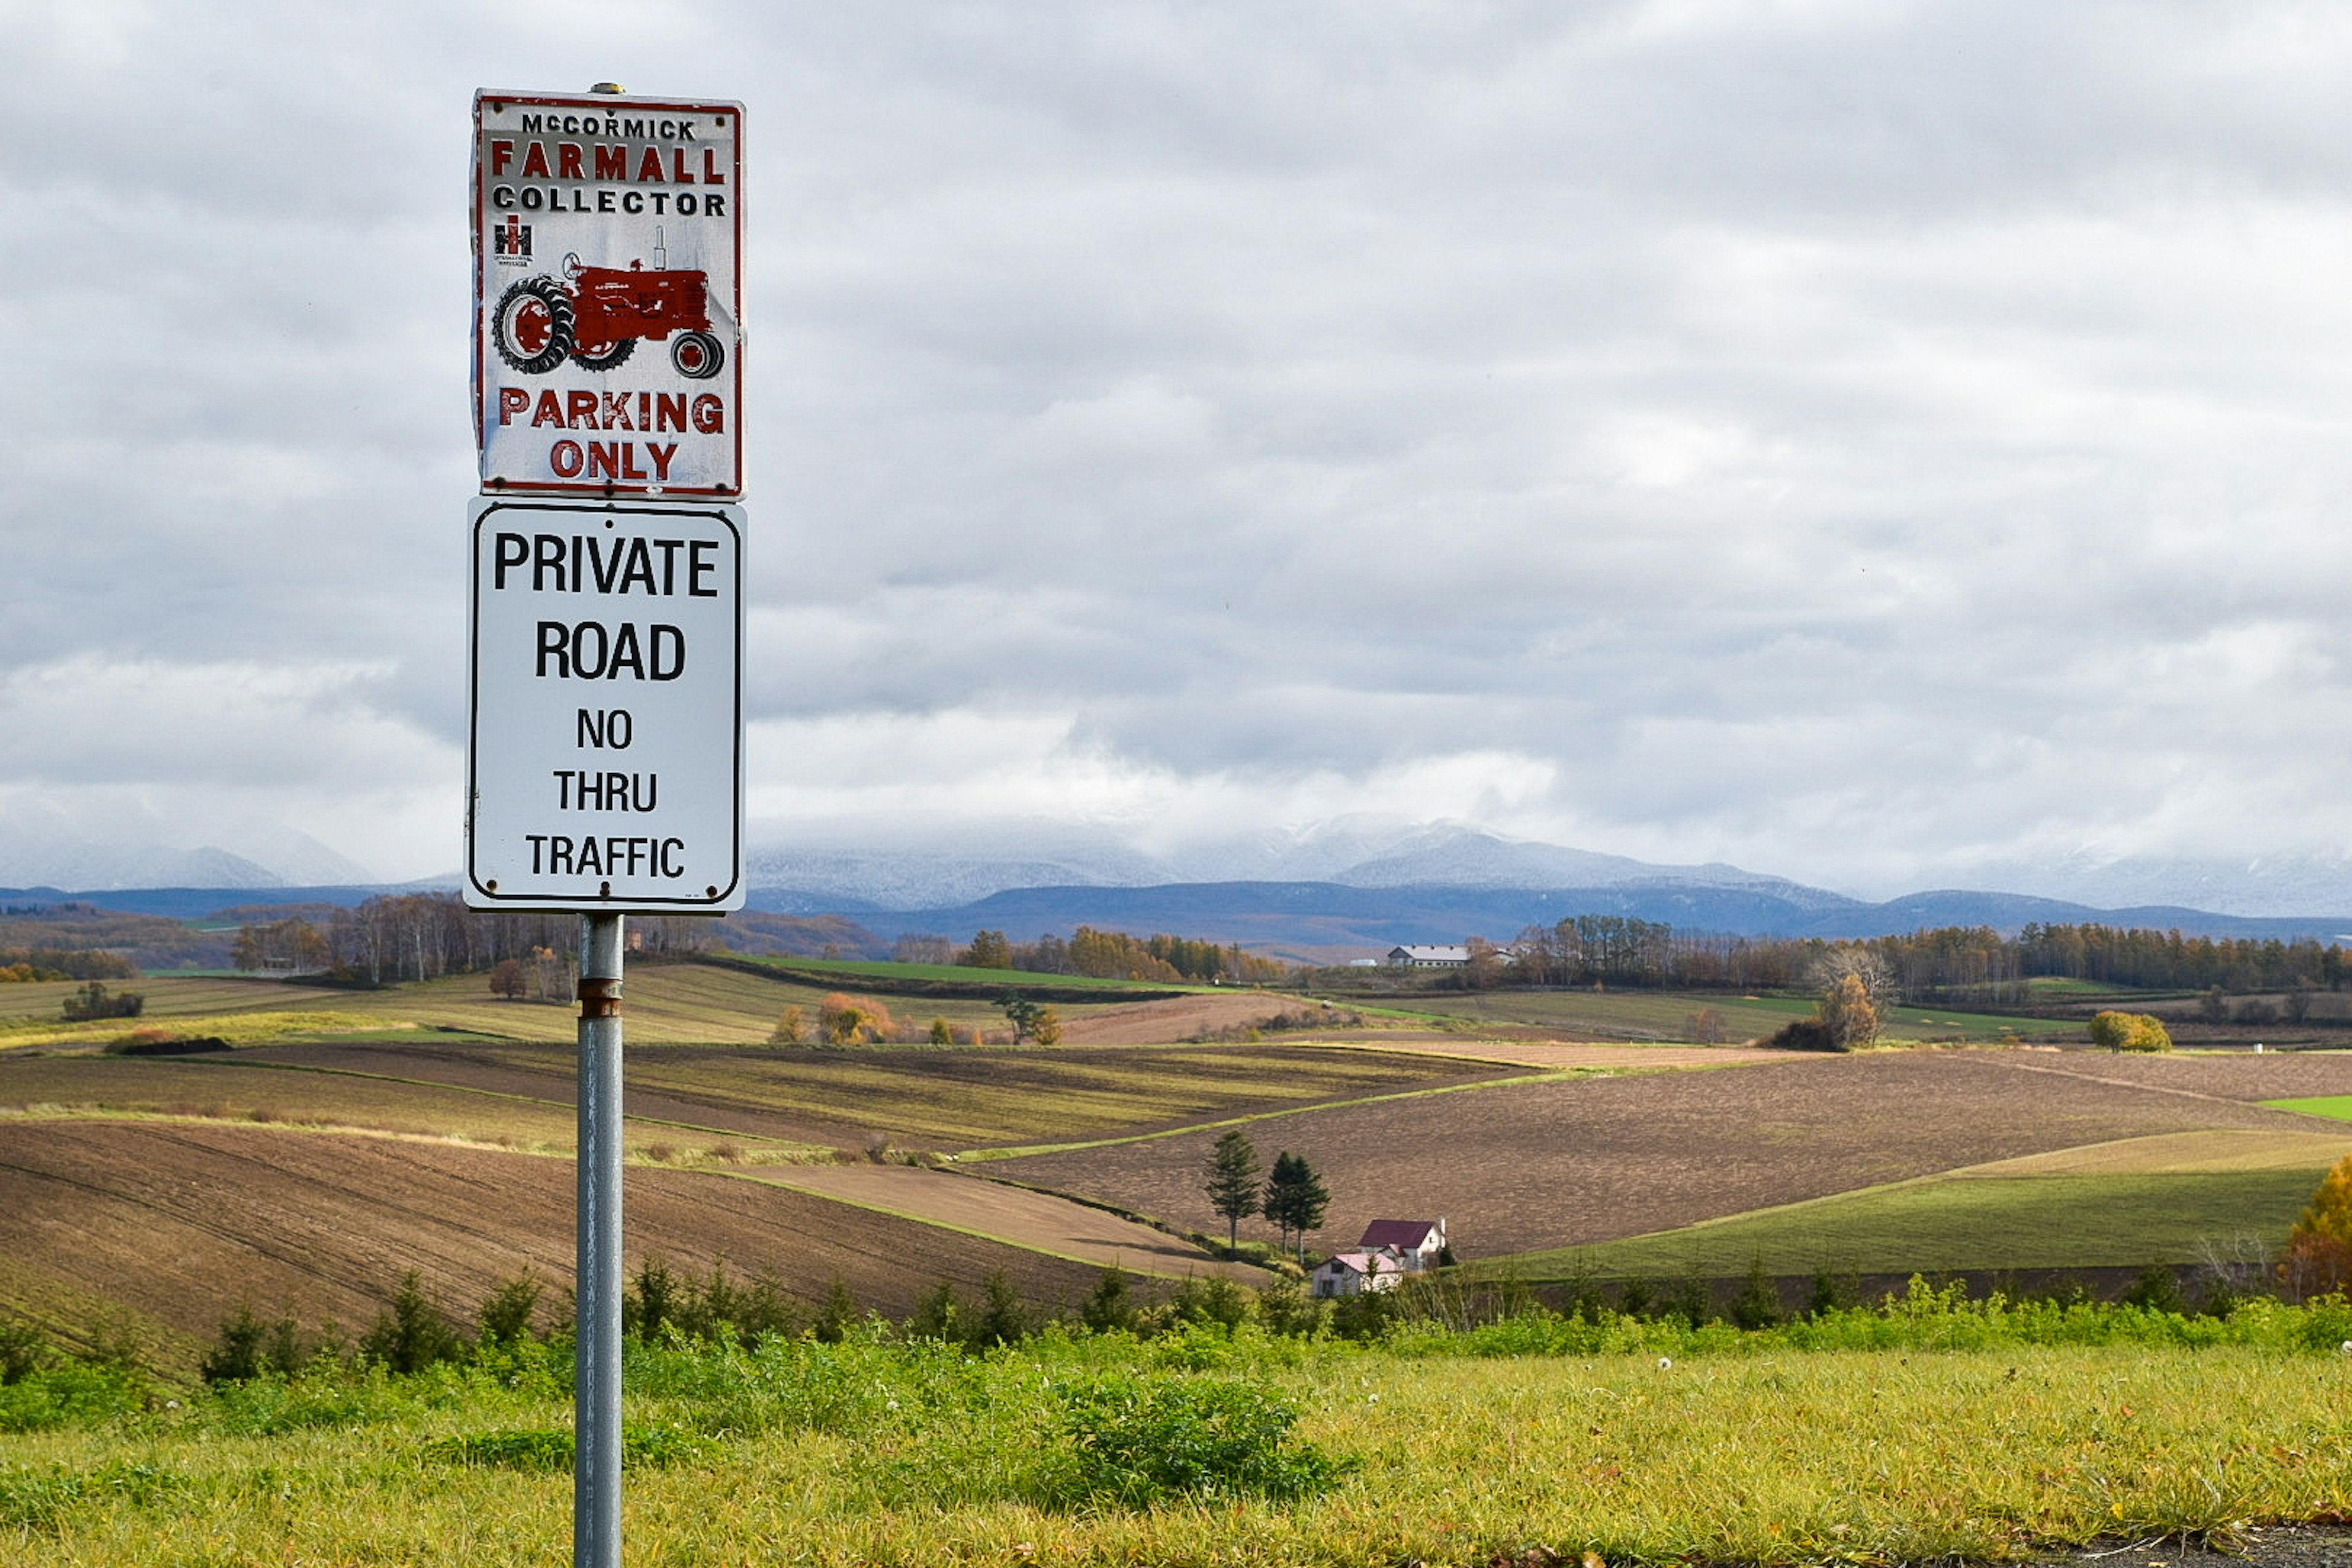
[597, 314]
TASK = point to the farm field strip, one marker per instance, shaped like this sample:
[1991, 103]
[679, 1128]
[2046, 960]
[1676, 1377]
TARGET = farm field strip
[2179, 1153]
[240, 1088]
[1970, 1221]
[167, 995]
[925, 1096]
[1254, 1117]
[1664, 1016]
[1615, 1055]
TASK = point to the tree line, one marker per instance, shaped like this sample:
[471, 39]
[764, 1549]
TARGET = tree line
[1945, 966]
[1114, 955]
[424, 936]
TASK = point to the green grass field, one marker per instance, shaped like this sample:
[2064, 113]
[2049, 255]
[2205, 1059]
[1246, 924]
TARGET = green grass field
[872, 1454]
[2335, 1105]
[1977, 1223]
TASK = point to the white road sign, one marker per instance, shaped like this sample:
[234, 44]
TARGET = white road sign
[608, 347]
[604, 762]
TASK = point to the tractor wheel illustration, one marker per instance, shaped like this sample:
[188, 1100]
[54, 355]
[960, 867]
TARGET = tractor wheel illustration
[532, 325]
[604, 356]
[697, 356]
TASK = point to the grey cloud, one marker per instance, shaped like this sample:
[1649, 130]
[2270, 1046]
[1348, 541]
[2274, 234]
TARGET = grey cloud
[1792, 432]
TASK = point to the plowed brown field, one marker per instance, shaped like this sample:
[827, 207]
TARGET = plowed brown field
[182, 1223]
[918, 1097]
[1523, 1167]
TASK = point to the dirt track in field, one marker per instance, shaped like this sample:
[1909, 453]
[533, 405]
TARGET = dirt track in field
[1176, 1019]
[1562, 1054]
[1520, 1168]
[2274, 1075]
[181, 1224]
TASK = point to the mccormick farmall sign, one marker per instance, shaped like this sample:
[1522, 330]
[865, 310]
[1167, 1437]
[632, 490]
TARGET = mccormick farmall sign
[608, 356]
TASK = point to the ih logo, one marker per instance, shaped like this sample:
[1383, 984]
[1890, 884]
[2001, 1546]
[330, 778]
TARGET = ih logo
[513, 239]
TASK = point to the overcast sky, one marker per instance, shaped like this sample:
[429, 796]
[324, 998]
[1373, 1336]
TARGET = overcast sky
[1851, 440]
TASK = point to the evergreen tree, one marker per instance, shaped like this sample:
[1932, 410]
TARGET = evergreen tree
[1232, 1182]
[1111, 1305]
[1002, 1319]
[413, 1334]
[838, 1316]
[1296, 1200]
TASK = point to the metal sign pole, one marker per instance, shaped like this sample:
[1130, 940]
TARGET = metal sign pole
[596, 1411]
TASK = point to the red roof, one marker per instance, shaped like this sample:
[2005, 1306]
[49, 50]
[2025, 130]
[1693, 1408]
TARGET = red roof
[1406, 1235]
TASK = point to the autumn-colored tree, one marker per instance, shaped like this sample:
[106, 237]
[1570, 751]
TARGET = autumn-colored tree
[1045, 1028]
[2319, 1249]
[942, 1032]
[2129, 1032]
[792, 1029]
[507, 979]
[1849, 1014]
[850, 1020]
[1707, 1027]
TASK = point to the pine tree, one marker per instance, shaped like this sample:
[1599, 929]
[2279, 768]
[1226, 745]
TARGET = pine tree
[1295, 1199]
[1232, 1185]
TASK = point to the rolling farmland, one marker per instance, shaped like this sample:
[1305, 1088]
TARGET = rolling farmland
[1530, 1167]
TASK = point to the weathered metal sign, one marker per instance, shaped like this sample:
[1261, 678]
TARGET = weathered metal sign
[605, 763]
[608, 346]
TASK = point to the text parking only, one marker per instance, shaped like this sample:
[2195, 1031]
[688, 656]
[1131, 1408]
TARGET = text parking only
[605, 760]
[608, 352]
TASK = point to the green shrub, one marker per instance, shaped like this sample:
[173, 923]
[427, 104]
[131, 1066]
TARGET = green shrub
[1140, 1442]
[70, 1393]
[36, 1500]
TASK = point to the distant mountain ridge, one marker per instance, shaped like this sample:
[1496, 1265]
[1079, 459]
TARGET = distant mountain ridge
[1299, 917]
[1349, 882]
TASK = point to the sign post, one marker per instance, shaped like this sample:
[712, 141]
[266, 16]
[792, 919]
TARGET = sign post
[605, 758]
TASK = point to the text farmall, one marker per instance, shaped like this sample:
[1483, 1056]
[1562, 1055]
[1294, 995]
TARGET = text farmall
[556, 172]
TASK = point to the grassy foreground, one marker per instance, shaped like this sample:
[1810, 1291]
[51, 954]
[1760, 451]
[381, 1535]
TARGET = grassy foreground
[1923, 1429]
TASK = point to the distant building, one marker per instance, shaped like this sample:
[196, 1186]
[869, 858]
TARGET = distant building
[1391, 1248]
[1429, 957]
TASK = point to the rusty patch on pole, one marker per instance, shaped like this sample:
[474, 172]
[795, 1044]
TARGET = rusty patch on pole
[599, 997]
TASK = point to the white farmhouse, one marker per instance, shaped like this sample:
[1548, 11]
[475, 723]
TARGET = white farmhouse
[1353, 1273]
